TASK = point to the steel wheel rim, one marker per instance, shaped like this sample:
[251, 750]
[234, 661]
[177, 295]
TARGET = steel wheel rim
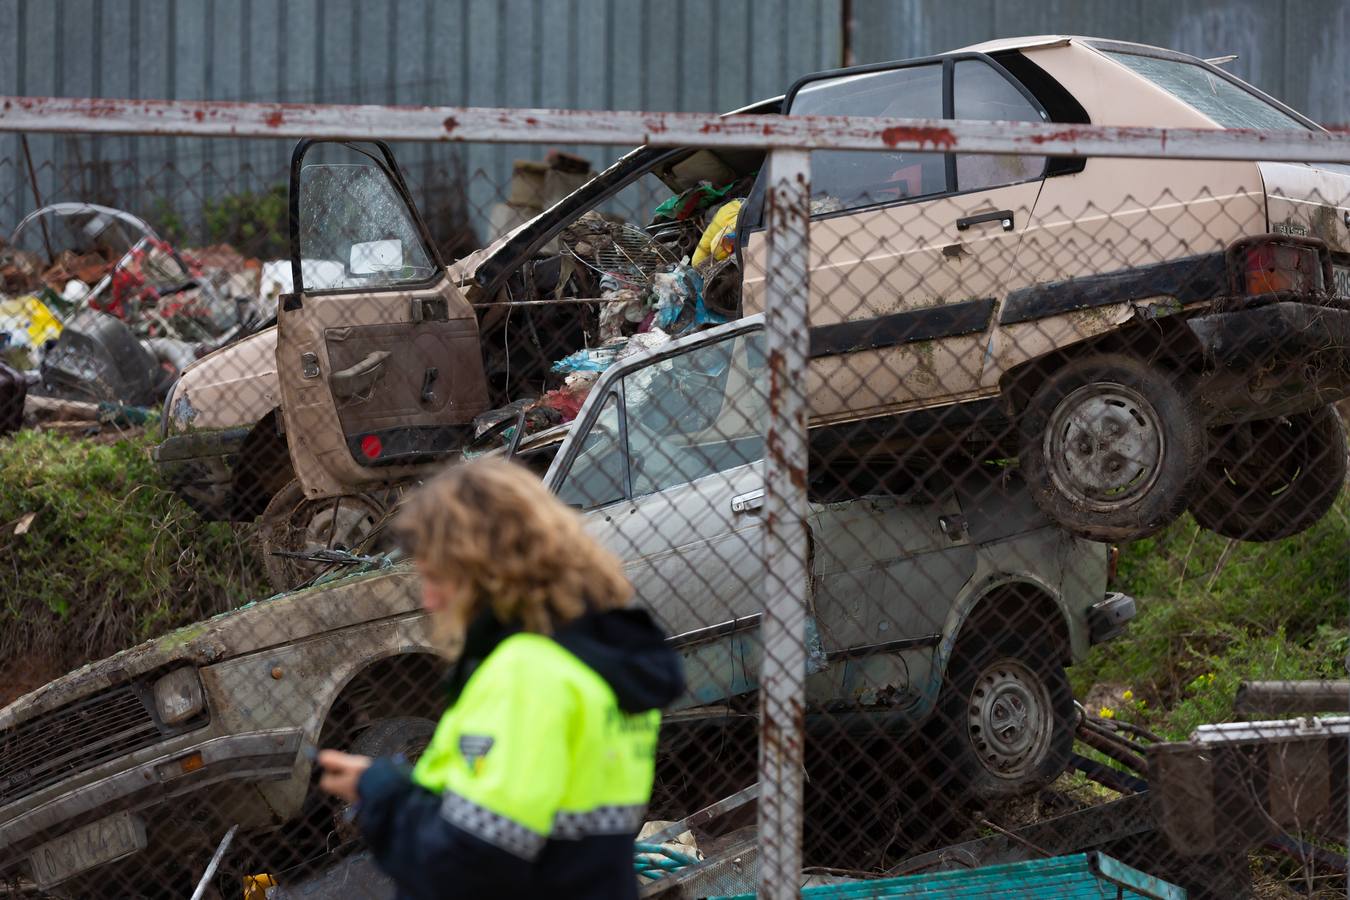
[341, 525]
[1009, 719]
[1104, 446]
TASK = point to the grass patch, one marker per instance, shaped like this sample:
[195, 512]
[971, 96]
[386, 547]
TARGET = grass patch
[111, 557]
[1213, 612]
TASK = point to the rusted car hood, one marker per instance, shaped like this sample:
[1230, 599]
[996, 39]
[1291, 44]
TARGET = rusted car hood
[252, 627]
[232, 387]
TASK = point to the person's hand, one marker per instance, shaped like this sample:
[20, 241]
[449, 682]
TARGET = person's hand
[341, 772]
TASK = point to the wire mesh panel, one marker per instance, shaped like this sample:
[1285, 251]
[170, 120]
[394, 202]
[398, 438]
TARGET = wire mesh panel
[973, 489]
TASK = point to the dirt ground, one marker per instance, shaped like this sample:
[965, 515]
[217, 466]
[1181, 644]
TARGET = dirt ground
[18, 677]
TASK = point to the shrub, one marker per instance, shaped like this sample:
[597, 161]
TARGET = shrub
[1213, 612]
[111, 557]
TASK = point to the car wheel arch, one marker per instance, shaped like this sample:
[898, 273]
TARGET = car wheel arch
[356, 695]
[1166, 341]
[261, 468]
[996, 599]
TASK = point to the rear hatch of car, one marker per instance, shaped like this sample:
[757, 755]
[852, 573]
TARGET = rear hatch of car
[1312, 200]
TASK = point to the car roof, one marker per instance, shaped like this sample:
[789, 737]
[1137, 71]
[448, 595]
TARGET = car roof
[1018, 43]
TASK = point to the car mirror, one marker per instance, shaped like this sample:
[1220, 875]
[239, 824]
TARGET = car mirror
[373, 257]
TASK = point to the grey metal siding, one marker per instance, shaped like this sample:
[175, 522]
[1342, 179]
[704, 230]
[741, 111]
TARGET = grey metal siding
[701, 55]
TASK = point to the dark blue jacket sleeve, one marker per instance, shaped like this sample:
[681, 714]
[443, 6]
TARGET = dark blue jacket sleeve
[420, 849]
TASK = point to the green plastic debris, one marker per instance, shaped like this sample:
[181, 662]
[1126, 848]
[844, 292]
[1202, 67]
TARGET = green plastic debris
[686, 203]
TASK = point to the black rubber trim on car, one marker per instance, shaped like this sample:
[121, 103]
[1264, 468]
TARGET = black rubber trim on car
[927, 640]
[1187, 279]
[409, 444]
[929, 323]
[971, 418]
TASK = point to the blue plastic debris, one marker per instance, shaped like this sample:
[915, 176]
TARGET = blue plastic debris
[1081, 876]
[595, 359]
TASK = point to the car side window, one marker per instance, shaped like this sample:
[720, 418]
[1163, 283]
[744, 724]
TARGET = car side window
[850, 179]
[355, 230]
[596, 477]
[981, 92]
[696, 414]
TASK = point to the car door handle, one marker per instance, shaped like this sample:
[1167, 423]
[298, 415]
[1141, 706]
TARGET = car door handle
[1002, 216]
[747, 502]
[359, 378]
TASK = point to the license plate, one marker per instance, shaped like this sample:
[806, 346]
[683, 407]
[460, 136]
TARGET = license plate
[84, 848]
[1340, 278]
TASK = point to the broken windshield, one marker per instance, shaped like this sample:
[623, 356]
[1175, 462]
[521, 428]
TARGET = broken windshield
[1227, 103]
[355, 229]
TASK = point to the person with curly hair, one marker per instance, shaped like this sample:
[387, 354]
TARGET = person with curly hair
[537, 778]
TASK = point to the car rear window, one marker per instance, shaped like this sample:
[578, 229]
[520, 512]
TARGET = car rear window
[1227, 103]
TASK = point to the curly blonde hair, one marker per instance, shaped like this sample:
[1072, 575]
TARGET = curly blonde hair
[492, 527]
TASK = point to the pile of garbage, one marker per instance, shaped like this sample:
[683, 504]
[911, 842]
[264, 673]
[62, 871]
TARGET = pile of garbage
[96, 308]
[648, 296]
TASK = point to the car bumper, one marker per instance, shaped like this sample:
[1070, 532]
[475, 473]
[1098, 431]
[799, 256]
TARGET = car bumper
[252, 756]
[1278, 332]
[199, 466]
[1277, 359]
[1107, 618]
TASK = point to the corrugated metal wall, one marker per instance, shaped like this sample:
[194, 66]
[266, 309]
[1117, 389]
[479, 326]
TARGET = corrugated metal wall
[659, 54]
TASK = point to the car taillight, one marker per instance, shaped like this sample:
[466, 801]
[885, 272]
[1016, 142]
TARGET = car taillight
[1274, 267]
[372, 446]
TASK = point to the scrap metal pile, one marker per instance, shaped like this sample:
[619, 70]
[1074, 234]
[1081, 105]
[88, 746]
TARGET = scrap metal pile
[650, 285]
[97, 309]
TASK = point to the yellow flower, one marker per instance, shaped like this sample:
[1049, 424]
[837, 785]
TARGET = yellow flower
[1106, 712]
[1128, 695]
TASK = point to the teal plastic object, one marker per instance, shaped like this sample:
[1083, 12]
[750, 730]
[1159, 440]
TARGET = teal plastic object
[654, 860]
[1082, 876]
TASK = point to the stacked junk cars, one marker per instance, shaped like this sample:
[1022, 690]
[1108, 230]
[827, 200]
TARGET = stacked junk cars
[99, 314]
[597, 283]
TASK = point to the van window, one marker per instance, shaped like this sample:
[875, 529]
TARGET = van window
[849, 179]
[1227, 103]
[982, 93]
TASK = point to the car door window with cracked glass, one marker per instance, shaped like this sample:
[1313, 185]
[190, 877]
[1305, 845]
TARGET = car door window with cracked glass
[696, 414]
[851, 179]
[355, 228]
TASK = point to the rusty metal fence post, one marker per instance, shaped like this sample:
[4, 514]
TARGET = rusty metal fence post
[785, 550]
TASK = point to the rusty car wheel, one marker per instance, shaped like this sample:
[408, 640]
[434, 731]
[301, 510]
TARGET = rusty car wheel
[292, 523]
[1110, 447]
[1008, 713]
[1272, 478]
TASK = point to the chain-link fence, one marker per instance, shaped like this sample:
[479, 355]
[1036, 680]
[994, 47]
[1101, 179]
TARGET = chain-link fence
[987, 478]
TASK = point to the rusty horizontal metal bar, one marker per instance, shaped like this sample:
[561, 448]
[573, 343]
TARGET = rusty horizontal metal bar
[215, 118]
[1281, 697]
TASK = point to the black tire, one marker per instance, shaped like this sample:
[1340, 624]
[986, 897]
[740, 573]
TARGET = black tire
[991, 678]
[1272, 478]
[1110, 446]
[405, 736]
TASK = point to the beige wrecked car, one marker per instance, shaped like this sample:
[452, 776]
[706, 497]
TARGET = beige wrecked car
[1144, 335]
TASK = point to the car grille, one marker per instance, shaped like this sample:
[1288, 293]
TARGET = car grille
[73, 738]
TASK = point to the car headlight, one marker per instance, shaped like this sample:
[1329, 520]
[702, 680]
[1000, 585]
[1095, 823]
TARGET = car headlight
[178, 696]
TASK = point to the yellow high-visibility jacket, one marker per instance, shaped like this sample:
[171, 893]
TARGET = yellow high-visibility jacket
[538, 776]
